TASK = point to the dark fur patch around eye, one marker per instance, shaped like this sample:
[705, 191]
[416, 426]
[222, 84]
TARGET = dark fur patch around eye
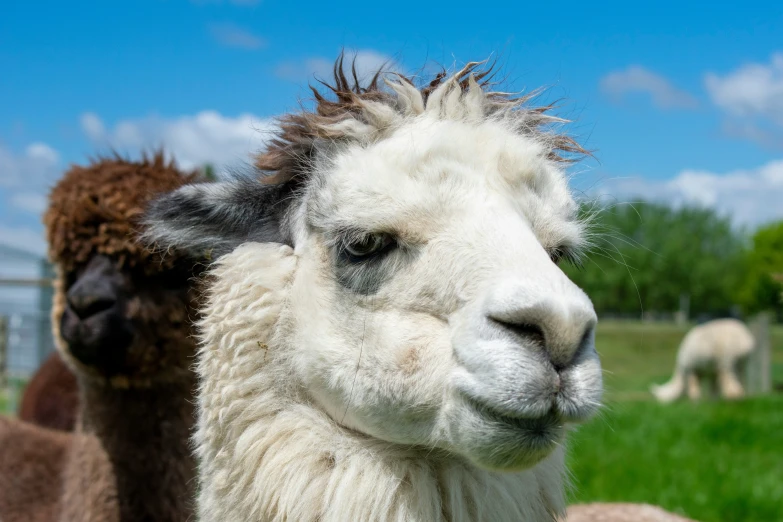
[366, 277]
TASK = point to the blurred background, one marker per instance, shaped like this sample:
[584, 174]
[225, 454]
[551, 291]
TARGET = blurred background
[682, 104]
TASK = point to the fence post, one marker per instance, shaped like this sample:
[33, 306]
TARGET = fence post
[3, 352]
[681, 315]
[43, 322]
[758, 366]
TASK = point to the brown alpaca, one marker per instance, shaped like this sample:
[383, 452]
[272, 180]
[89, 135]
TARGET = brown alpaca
[51, 475]
[51, 397]
[121, 320]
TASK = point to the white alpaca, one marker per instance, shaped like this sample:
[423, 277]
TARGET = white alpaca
[412, 352]
[709, 351]
[620, 512]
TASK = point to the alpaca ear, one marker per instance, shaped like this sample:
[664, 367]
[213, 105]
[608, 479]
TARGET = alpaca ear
[208, 220]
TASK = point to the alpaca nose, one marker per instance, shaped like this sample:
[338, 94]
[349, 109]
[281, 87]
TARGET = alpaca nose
[561, 324]
[90, 296]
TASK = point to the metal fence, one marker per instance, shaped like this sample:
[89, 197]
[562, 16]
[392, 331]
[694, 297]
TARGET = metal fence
[28, 341]
[25, 341]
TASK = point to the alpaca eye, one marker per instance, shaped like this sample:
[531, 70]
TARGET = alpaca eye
[369, 245]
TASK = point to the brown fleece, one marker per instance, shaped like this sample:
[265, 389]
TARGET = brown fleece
[93, 210]
[50, 475]
[51, 397]
[129, 457]
[31, 460]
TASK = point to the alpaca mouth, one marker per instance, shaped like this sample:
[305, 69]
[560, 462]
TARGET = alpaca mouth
[101, 341]
[541, 432]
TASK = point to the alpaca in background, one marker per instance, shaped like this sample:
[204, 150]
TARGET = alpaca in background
[121, 320]
[51, 397]
[620, 512]
[712, 351]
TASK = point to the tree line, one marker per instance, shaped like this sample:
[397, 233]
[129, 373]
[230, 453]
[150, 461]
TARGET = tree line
[652, 257]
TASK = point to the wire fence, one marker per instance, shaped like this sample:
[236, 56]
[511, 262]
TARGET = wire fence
[28, 341]
[25, 341]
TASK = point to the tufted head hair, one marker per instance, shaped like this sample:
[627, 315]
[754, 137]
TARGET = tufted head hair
[350, 112]
[93, 210]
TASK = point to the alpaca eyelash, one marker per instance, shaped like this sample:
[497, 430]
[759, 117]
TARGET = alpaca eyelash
[569, 255]
[344, 252]
[340, 237]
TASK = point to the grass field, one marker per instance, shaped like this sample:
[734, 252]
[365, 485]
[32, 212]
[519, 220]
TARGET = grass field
[712, 461]
[10, 394]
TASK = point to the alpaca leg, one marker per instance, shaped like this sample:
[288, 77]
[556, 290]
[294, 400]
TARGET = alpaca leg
[730, 385]
[694, 387]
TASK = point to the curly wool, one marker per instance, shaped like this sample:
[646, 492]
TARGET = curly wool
[93, 210]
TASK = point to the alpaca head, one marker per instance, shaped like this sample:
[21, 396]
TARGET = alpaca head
[426, 307]
[120, 312]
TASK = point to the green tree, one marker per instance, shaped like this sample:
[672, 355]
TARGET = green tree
[762, 287]
[646, 255]
[209, 172]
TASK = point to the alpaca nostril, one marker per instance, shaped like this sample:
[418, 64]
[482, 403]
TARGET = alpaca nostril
[587, 340]
[528, 331]
[562, 343]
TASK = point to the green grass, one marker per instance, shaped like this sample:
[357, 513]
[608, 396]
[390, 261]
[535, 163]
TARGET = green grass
[709, 461]
[712, 461]
[10, 394]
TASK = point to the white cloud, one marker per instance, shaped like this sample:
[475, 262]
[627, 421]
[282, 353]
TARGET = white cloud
[92, 126]
[24, 238]
[25, 179]
[638, 79]
[232, 35]
[207, 137]
[750, 196]
[368, 62]
[757, 131]
[33, 202]
[752, 90]
[752, 98]
[37, 165]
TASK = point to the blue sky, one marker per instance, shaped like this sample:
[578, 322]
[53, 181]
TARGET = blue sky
[680, 101]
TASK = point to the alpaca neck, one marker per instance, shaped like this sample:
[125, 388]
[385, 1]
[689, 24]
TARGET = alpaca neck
[298, 464]
[144, 432]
